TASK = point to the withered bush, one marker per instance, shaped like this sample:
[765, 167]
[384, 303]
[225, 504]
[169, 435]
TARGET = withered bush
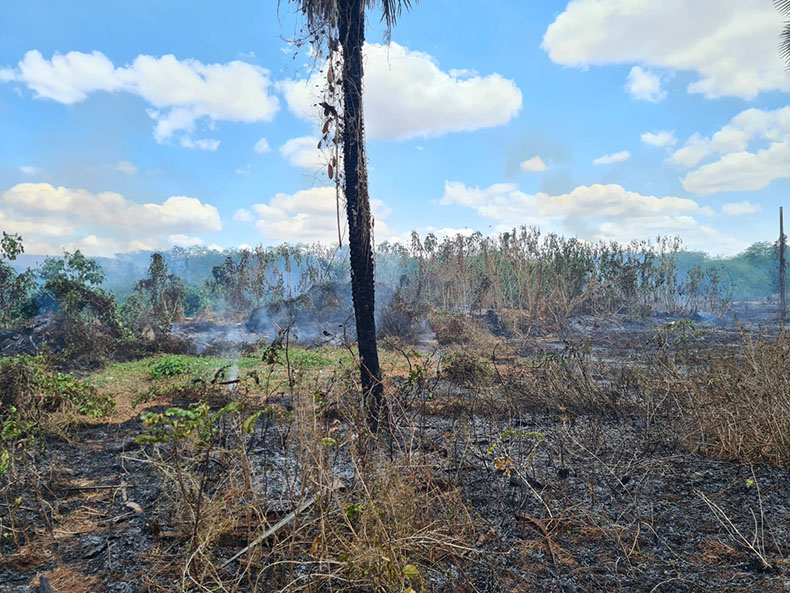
[458, 329]
[400, 319]
[737, 404]
[467, 370]
[564, 382]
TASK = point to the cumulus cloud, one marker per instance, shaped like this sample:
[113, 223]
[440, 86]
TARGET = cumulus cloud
[407, 95]
[645, 85]
[303, 152]
[730, 44]
[740, 208]
[126, 167]
[661, 138]
[534, 165]
[262, 146]
[200, 143]
[101, 223]
[608, 159]
[180, 92]
[243, 215]
[596, 212]
[183, 240]
[743, 161]
[310, 216]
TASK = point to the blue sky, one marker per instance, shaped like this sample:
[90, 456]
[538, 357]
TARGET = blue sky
[132, 125]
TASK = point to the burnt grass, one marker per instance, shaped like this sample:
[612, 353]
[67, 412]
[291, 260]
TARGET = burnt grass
[589, 500]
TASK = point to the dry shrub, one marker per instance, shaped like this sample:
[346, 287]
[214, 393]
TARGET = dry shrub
[400, 319]
[458, 329]
[516, 322]
[564, 383]
[390, 525]
[738, 405]
[466, 370]
[395, 526]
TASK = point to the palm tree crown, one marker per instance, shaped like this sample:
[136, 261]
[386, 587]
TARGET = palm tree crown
[783, 6]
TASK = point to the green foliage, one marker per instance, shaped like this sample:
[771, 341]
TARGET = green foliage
[36, 400]
[169, 366]
[73, 267]
[175, 425]
[157, 300]
[84, 395]
[14, 288]
[11, 246]
[308, 358]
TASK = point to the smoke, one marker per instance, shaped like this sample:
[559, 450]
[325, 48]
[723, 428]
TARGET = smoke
[321, 316]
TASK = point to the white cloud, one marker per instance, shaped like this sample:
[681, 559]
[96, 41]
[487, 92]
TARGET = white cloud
[608, 159]
[730, 44]
[243, 215]
[407, 95]
[738, 168]
[661, 138]
[534, 165]
[692, 152]
[740, 208]
[262, 146]
[505, 202]
[741, 171]
[596, 212]
[126, 167]
[183, 240]
[200, 143]
[104, 223]
[245, 170]
[311, 216]
[645, 85]
[181, 92]
[303, 152]
[30, 170]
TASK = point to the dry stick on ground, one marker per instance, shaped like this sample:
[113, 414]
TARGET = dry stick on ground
[280, 524]
[755, 545]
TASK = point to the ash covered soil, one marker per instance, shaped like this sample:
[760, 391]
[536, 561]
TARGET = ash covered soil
[563, 498]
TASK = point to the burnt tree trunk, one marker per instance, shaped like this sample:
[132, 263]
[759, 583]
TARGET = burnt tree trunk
[351, 25]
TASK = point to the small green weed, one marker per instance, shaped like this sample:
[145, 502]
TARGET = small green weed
[169, 366]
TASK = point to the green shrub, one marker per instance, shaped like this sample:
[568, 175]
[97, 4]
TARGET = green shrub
[169, 366]
[30, 391]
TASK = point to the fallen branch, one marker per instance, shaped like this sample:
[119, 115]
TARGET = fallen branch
[279, 525]
[755, 545]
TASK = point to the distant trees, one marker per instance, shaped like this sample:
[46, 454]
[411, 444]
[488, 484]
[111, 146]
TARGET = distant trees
[548, 276]
[157, 301]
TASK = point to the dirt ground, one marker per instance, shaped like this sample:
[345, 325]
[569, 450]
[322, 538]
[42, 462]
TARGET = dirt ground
[587, 501]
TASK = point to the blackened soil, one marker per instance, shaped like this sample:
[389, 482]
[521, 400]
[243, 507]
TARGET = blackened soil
[80, 523]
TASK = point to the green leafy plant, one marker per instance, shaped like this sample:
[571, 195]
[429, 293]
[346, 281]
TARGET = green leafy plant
[176, 424]
[169, 366]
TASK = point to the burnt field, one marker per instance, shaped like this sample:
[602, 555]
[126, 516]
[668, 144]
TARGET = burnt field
[602, 453]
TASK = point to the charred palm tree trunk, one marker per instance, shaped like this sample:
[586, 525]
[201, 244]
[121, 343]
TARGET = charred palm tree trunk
[351, 28]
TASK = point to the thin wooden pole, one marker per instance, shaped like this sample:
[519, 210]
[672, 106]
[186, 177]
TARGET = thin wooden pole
[782, 295]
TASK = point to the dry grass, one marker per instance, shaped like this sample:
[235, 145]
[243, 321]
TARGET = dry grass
[737, 406]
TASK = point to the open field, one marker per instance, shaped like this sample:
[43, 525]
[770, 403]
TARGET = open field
[609, 456]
